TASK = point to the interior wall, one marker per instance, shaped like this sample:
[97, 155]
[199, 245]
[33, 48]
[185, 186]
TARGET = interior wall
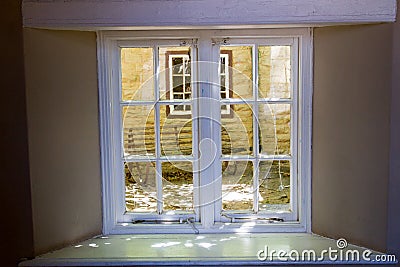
[394, 181]
[15, 199]
[62, 104]
[351, 115]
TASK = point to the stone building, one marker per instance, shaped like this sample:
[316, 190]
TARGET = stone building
[236, 82]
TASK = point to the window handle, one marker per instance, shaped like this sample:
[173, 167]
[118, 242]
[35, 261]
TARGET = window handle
[189, 220]
[253, 218]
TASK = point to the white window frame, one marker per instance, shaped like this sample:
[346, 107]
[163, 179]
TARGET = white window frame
[114, 221]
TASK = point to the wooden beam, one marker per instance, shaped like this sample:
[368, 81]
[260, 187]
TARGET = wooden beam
[128, 14]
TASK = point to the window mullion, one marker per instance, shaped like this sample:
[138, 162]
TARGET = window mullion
[295, 89]
[157, 130]
[216, 134]
[208, 119]
[255, 129]
[195, 131]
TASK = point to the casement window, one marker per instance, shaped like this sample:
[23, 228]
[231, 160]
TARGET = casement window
[206, 131]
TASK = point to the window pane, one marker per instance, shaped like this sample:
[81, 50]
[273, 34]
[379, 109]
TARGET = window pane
[138, 130]
[137, 74]
[237, 185]
[175, 71]
[140, 187]
[274, 71]
[177, 81]
[237, 130]
[240, 70]
[274, 122]
[274, 185]
[176, 131]
[177, 186]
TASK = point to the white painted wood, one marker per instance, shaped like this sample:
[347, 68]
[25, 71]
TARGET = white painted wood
[256, 133]
[126, 14]
[295, 93]
[208, 150]
[113, 201]
[195, 131]
[305, 131]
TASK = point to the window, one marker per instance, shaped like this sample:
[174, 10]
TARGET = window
[179, 81]
[208, 133]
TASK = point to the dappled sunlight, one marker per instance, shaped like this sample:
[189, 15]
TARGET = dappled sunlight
[164, 245]
[188, 245]
[246, 227]
[205, 245]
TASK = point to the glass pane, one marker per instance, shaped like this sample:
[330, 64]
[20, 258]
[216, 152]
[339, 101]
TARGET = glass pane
[240, 70]
[274, 71]
[140, 187]
[138, 130]
[137, 73]
[177, 186]
[274, 121]
[274, 185]
[237, 130]
[175, 71]
[176, 130]
[237, 185]
[177, 81]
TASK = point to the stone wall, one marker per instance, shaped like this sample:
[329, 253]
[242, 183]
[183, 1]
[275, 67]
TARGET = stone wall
[237, 132]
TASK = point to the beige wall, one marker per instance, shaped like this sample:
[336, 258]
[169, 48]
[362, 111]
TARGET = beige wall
[352, 86]
[62, 103]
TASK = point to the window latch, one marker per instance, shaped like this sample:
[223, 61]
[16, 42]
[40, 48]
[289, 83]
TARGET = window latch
[190, 42]
[222, 41]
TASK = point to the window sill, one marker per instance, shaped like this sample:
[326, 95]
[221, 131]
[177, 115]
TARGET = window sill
[191, 249]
